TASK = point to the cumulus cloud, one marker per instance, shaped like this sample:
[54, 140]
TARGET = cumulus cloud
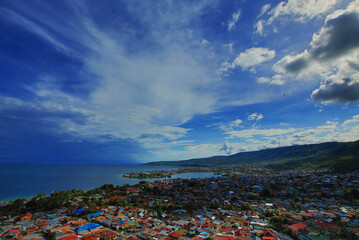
[236, 123]
[353, 120]
[249, 58]
[338, 36]
[334, 55]
[255, 117]
[234, 20]
[342, 90]
[228, 126]
[204, 42]
[226, 148]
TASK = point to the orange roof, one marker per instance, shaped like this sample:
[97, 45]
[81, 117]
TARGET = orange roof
[101, 218]
[296, 227]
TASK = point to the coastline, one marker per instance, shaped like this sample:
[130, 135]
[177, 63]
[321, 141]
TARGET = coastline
[19, 181]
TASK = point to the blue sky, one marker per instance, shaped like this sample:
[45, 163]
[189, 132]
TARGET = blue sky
[138, 81]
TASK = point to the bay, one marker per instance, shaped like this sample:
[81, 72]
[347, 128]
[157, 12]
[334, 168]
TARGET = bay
[22, 180]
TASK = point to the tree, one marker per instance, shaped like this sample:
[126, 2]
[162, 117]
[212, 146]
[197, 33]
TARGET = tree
[51, 236]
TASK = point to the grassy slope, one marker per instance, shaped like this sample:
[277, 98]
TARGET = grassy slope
[340, 156]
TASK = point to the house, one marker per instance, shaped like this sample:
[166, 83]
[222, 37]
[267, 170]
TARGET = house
[296, 227]
[327, 226]
[25, 217]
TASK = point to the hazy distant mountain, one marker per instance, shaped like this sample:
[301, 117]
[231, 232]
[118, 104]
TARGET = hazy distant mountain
[341, 156]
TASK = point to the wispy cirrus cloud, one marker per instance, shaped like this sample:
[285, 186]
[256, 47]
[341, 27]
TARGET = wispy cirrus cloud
[147, 94]
[294, 10]
[234, 20]
[301, 10]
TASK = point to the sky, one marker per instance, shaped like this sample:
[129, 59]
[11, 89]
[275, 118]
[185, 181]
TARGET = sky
[140, 81]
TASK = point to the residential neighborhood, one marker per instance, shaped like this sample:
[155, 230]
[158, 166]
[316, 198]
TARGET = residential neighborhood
[248, 203]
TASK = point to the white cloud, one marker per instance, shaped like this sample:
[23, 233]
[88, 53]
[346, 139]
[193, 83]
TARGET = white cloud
[234, 20]
[264, 9]
[257, 139]
[33, 27]
[230, 46]
[250, 133]
[334, 56]
[255, 117]
[353, 120]
[259, 27]
[226, 148]
[133, 96]
[249, 58]
[235, 123]
[204, 42]
[301, 10]
[269, 138]
[275, 80]
[228, 126]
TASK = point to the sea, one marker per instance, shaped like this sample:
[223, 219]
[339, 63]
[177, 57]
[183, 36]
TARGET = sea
[23, 180]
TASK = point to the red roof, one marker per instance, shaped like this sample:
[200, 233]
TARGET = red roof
[91, 237]
[224, 238]
[132, 238]
[326, 225]
[115, 197]
[71, 237]
[296, 227]
[307, 214]
[175, 234]
[14, 231]
[242, 232]
[268, 233]
[226, 229]
[107, 234]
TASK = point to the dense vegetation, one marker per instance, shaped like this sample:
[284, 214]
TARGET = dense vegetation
[343, 156]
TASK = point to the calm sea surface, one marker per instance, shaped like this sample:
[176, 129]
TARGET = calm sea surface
[26, 180]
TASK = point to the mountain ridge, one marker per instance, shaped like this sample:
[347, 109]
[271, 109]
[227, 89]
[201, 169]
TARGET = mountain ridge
[334, 155]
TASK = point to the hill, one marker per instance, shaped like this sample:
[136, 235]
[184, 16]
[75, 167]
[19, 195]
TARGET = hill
[341, 156]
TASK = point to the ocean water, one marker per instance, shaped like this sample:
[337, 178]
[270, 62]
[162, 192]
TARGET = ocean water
[27, 180]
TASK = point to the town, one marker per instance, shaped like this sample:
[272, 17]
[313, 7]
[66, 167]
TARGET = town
[245, 203]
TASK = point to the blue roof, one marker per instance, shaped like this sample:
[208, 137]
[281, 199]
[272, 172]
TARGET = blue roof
[88, 226]
[79, 211]
[94, 214]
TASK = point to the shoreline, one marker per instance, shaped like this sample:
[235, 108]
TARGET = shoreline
[169, 173]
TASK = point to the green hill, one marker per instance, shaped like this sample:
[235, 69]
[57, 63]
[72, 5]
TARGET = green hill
[341, 156]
